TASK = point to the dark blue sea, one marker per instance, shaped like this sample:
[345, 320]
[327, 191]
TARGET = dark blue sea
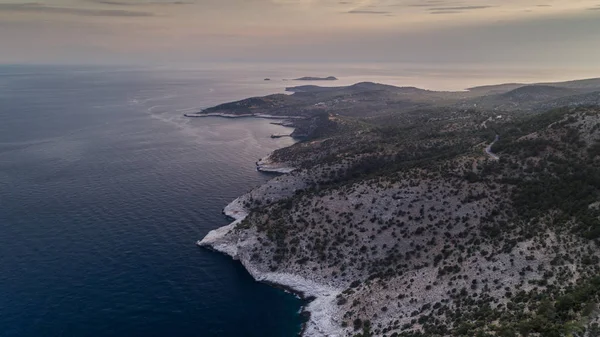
[105, 188]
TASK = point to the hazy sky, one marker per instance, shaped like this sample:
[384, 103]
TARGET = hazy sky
[565, 32]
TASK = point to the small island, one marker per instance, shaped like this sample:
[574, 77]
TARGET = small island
[310, 78]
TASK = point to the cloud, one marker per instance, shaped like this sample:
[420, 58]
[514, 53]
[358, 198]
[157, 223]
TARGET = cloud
[40, 8]
[389, 7]
[455, 9]
[446, 12]
[431, 3]
[359, 11]
[139, 3]
[458, 8]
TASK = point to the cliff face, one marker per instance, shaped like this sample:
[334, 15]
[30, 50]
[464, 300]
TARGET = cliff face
[243, 243]
[403, 225]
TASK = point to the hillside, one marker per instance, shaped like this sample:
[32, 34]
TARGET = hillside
[537, 93]
[591, 84]
[410, 220]
[368, 99]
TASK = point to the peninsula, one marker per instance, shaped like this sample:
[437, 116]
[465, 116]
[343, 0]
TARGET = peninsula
[409, 212]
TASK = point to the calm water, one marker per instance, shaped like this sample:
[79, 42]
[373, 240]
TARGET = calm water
[104, 189]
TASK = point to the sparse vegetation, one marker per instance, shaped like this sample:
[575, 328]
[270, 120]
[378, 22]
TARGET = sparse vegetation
[425, 233]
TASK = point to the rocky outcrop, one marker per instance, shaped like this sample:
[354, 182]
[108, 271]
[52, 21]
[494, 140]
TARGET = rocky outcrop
[241, 244]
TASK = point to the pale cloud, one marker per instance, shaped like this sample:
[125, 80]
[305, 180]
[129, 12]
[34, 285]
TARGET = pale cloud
[300, 29]
[367, 11]
[44, 9]
[140, 3]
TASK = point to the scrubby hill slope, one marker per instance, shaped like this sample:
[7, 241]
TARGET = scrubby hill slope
[413, 230]
[453, 246]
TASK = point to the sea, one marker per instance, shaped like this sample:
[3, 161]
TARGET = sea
[105, 187]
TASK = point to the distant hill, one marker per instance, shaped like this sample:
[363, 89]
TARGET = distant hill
[311, 88]
[592, 84]
[537, 93]
[495, 89]
[531, 97]
[358, 87]
[370, 100]
[310, 78]
[379, 86]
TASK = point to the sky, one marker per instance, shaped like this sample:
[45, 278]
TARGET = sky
[548, 32]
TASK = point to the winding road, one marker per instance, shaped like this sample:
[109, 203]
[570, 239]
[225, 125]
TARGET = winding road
[488, 149]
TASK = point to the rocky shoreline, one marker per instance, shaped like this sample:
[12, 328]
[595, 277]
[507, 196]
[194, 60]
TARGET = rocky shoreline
[320, 308]
[267, 165]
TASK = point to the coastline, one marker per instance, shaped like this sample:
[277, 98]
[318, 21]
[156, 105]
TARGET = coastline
[328, 231]
[320, 306]
[267, 165]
